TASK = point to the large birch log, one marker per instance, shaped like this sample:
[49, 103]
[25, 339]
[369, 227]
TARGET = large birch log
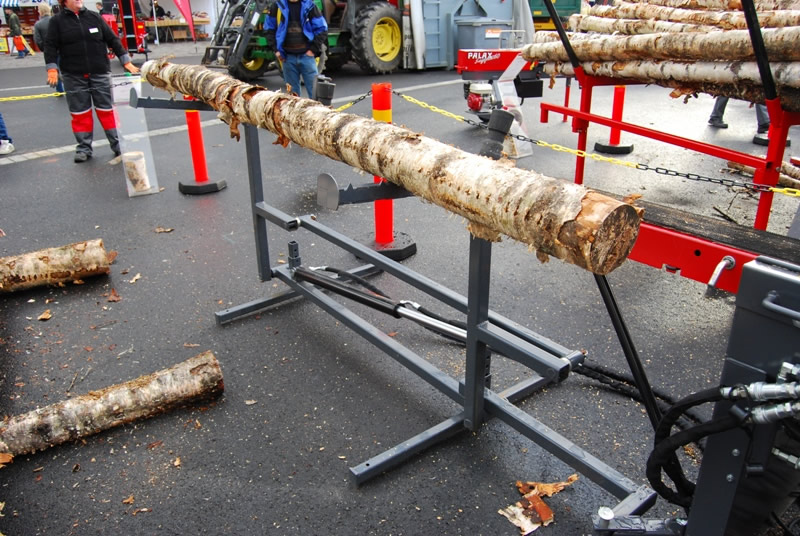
[722, 5]
[733, 45]
[738, 80]
[587, 23]
[554, 217]
[727, 20]
[53, 265]
[196, 378]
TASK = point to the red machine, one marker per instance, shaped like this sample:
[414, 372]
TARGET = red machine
[132, 32]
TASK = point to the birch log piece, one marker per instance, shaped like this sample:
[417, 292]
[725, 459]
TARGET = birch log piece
[727, 20]
[553, 216]
[53, 265]
[587, 23]
[733, 45]
[197, 378]
[737, 80]
[723, 5]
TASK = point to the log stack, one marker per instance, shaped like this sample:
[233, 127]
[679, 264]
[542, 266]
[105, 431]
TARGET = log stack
[691, 46]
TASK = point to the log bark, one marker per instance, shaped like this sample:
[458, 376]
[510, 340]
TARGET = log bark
[553, 216]
[722, 5]
[727, 20]
[53, 265]
[587, 23]
[738, 80]
[733, 45]
[196, 378]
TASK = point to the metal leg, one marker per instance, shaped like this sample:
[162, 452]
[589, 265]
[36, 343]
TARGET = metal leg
[257, 196]
[478, 360]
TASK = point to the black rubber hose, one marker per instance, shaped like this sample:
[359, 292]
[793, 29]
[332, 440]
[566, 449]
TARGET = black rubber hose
[344, 274]
[665, 425]
[665, 450]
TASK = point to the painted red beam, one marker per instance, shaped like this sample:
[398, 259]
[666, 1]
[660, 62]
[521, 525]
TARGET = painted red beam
[689, 256]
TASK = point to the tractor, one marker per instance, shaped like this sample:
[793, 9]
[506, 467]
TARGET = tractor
[379, 36]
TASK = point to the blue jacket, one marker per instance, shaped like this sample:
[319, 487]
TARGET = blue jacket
[314, 26]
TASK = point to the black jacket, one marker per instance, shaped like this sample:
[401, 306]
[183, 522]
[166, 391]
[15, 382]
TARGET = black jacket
[81, 41]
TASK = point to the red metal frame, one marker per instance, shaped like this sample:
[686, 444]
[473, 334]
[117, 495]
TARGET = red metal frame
[690, 256]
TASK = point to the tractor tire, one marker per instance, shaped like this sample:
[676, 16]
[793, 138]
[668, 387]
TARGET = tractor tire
[377, 39]
[334, 63]
[249, 68]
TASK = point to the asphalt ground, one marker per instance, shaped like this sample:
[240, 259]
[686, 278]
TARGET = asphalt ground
[305, 398]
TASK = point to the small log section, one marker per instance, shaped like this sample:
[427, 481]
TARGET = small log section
[552, 216]
[691, 46]
[197, 378]
[53, 265]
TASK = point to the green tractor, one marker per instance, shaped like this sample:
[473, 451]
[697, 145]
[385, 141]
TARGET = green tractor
[365, 31]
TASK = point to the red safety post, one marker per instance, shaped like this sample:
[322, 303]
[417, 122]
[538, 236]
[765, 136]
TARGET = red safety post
[384, 208]
[201, 184]
[567, 89]
[395, 245]
[613, 146]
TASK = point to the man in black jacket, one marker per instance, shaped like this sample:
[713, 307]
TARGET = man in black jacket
[81, 39]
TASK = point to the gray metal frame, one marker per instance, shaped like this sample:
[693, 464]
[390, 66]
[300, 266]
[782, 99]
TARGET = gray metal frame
[485, 329]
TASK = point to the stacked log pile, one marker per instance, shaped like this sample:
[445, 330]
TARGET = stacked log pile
[691, 46]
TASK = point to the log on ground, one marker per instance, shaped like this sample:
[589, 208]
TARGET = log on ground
[197, 378]
[552, 216]
[52, 266]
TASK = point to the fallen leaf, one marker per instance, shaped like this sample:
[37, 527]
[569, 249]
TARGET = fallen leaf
[5, 459]
[125, 271]
[190, 345]
[114, 297]
[250, 402]
[155, 444]
[164, 229]
[177, 462]
[129, 500]
[197, 424]
[136, 278]
[111, 256]
[140, 510]
[88, 348]
[38, 469]
[2, 234]
[47, 315]
[76, 468]
[281, 261]
[392, 334]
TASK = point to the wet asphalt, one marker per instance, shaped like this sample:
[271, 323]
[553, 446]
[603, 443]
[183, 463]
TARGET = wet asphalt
[305, 398]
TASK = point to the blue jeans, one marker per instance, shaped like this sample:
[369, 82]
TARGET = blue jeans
[297, 65]
[3, 132]
[762, 116]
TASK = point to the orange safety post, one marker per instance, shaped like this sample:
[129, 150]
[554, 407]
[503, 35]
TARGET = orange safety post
[613, 146]
[384, 208]
[201, 185]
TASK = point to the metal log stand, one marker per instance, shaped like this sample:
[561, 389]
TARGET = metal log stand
[485, 331]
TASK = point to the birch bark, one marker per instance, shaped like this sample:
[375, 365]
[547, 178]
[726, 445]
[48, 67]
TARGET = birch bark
[53, 265]
[554, 217]
[196, 378]
[727, 20]
[587, 23]
[733, 45]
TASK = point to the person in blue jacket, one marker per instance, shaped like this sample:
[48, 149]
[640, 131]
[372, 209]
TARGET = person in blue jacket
[297, 40]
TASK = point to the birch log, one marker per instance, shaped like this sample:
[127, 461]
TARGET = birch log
[554, 217]
[53, 265]
[737, 80]
[723, 5]
[196, 378]
[727, 20]
[789, 176]
[587, 23]
[733, 45]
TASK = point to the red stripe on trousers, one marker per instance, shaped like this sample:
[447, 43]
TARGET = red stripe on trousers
[107, 118]
[82, 122]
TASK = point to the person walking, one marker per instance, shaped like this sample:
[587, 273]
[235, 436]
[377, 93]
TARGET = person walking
[40, 33]
[81, 39]
[16, 32]
[6, 143]
[297, 40]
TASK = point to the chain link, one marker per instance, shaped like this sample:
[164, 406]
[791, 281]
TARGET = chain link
[58, 93]
[351, 103]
